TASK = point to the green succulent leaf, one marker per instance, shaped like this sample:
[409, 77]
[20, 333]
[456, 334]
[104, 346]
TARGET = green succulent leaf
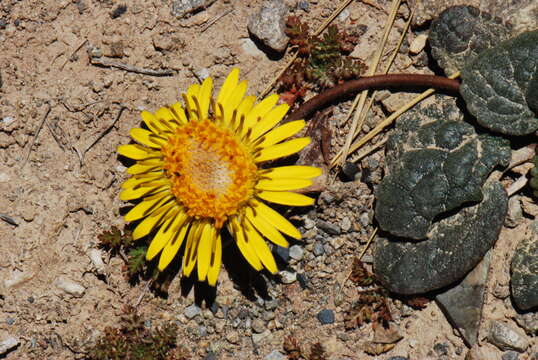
[500, 86]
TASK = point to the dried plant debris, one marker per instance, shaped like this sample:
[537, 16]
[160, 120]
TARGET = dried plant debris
[134, 341]
[460, 33]
[371, 303]
[323, 60]
[436, 162]
[456, 244]
[114, 240]
[292, 347]
[533, 182]
[500, 86]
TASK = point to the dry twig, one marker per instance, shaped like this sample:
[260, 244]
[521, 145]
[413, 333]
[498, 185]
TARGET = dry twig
[99, 61]
[47, 112]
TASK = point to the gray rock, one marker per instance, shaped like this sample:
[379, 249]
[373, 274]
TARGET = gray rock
[282, 252]
[457, 243]
[275, 355]
[271, 304]
[463, 303]
[288, 277]
[524, 268]
[326, 316]
[328, 227]
[257, 338]
[258, 326]
[268, 26]
[191, 311]
[528, 321]
[345, 224]
[318, 248]
[296, 252]
[510, 355]
[506, 337]
[181, 8]
[515, 212]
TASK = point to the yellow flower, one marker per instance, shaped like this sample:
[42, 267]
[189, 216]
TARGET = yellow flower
[198, 170]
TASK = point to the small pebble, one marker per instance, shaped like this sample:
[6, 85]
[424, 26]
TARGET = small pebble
[398, 358]
[308, 223]
[258, 326]
[303, 5]
[296, 252]
[69, 286]
[267, 24]
[257, 338]
[96, 258]
[191, 311]
[326, 197]
[418, 44]
[8, 120]
[326, 316]
[510, 355]
[318, 248]
[271, 304]
[233, 337]
[288, 277]
[275, 355]
[210, 356]
[441, 349]
[10, 321]
[118, 11]
[303, 281]
[282, 253]
[345, 224]
[181, 8]
[505, 337]
[328, 227]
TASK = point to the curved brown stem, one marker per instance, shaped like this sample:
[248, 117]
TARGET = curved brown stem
[373, 82]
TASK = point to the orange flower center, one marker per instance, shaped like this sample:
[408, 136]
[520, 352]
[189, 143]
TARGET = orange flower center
[211, 172]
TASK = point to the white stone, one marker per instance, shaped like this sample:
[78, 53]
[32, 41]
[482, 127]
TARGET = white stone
[69, 286]
[418, 44]
[8, 344]
[288, 277]
[17, 277]
[96, 257]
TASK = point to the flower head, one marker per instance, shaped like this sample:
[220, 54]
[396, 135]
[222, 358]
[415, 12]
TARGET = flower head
[198, 169]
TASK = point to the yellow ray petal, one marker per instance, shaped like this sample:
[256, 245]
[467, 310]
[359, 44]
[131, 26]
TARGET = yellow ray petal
[139, 192]
[233, 101]
[146, 207]
[167, 230]
[248, 253]
[171, 248]
[246, 106]
[155, 219]
[282, 149]
[137, 180]
[151, 121]
[293, 171]
[285, 198]
[137, 152]
[260, 109]
[229, 84]
[269, 121]
[179, 113]
[190, 256]
[165, 120]
[261, 249]
[282, 184]
[145, 166]
[205, 247]
[266, 229]
[281, 133]
[274, 218]
[204, 97]
[216, 259]
[148, 138]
